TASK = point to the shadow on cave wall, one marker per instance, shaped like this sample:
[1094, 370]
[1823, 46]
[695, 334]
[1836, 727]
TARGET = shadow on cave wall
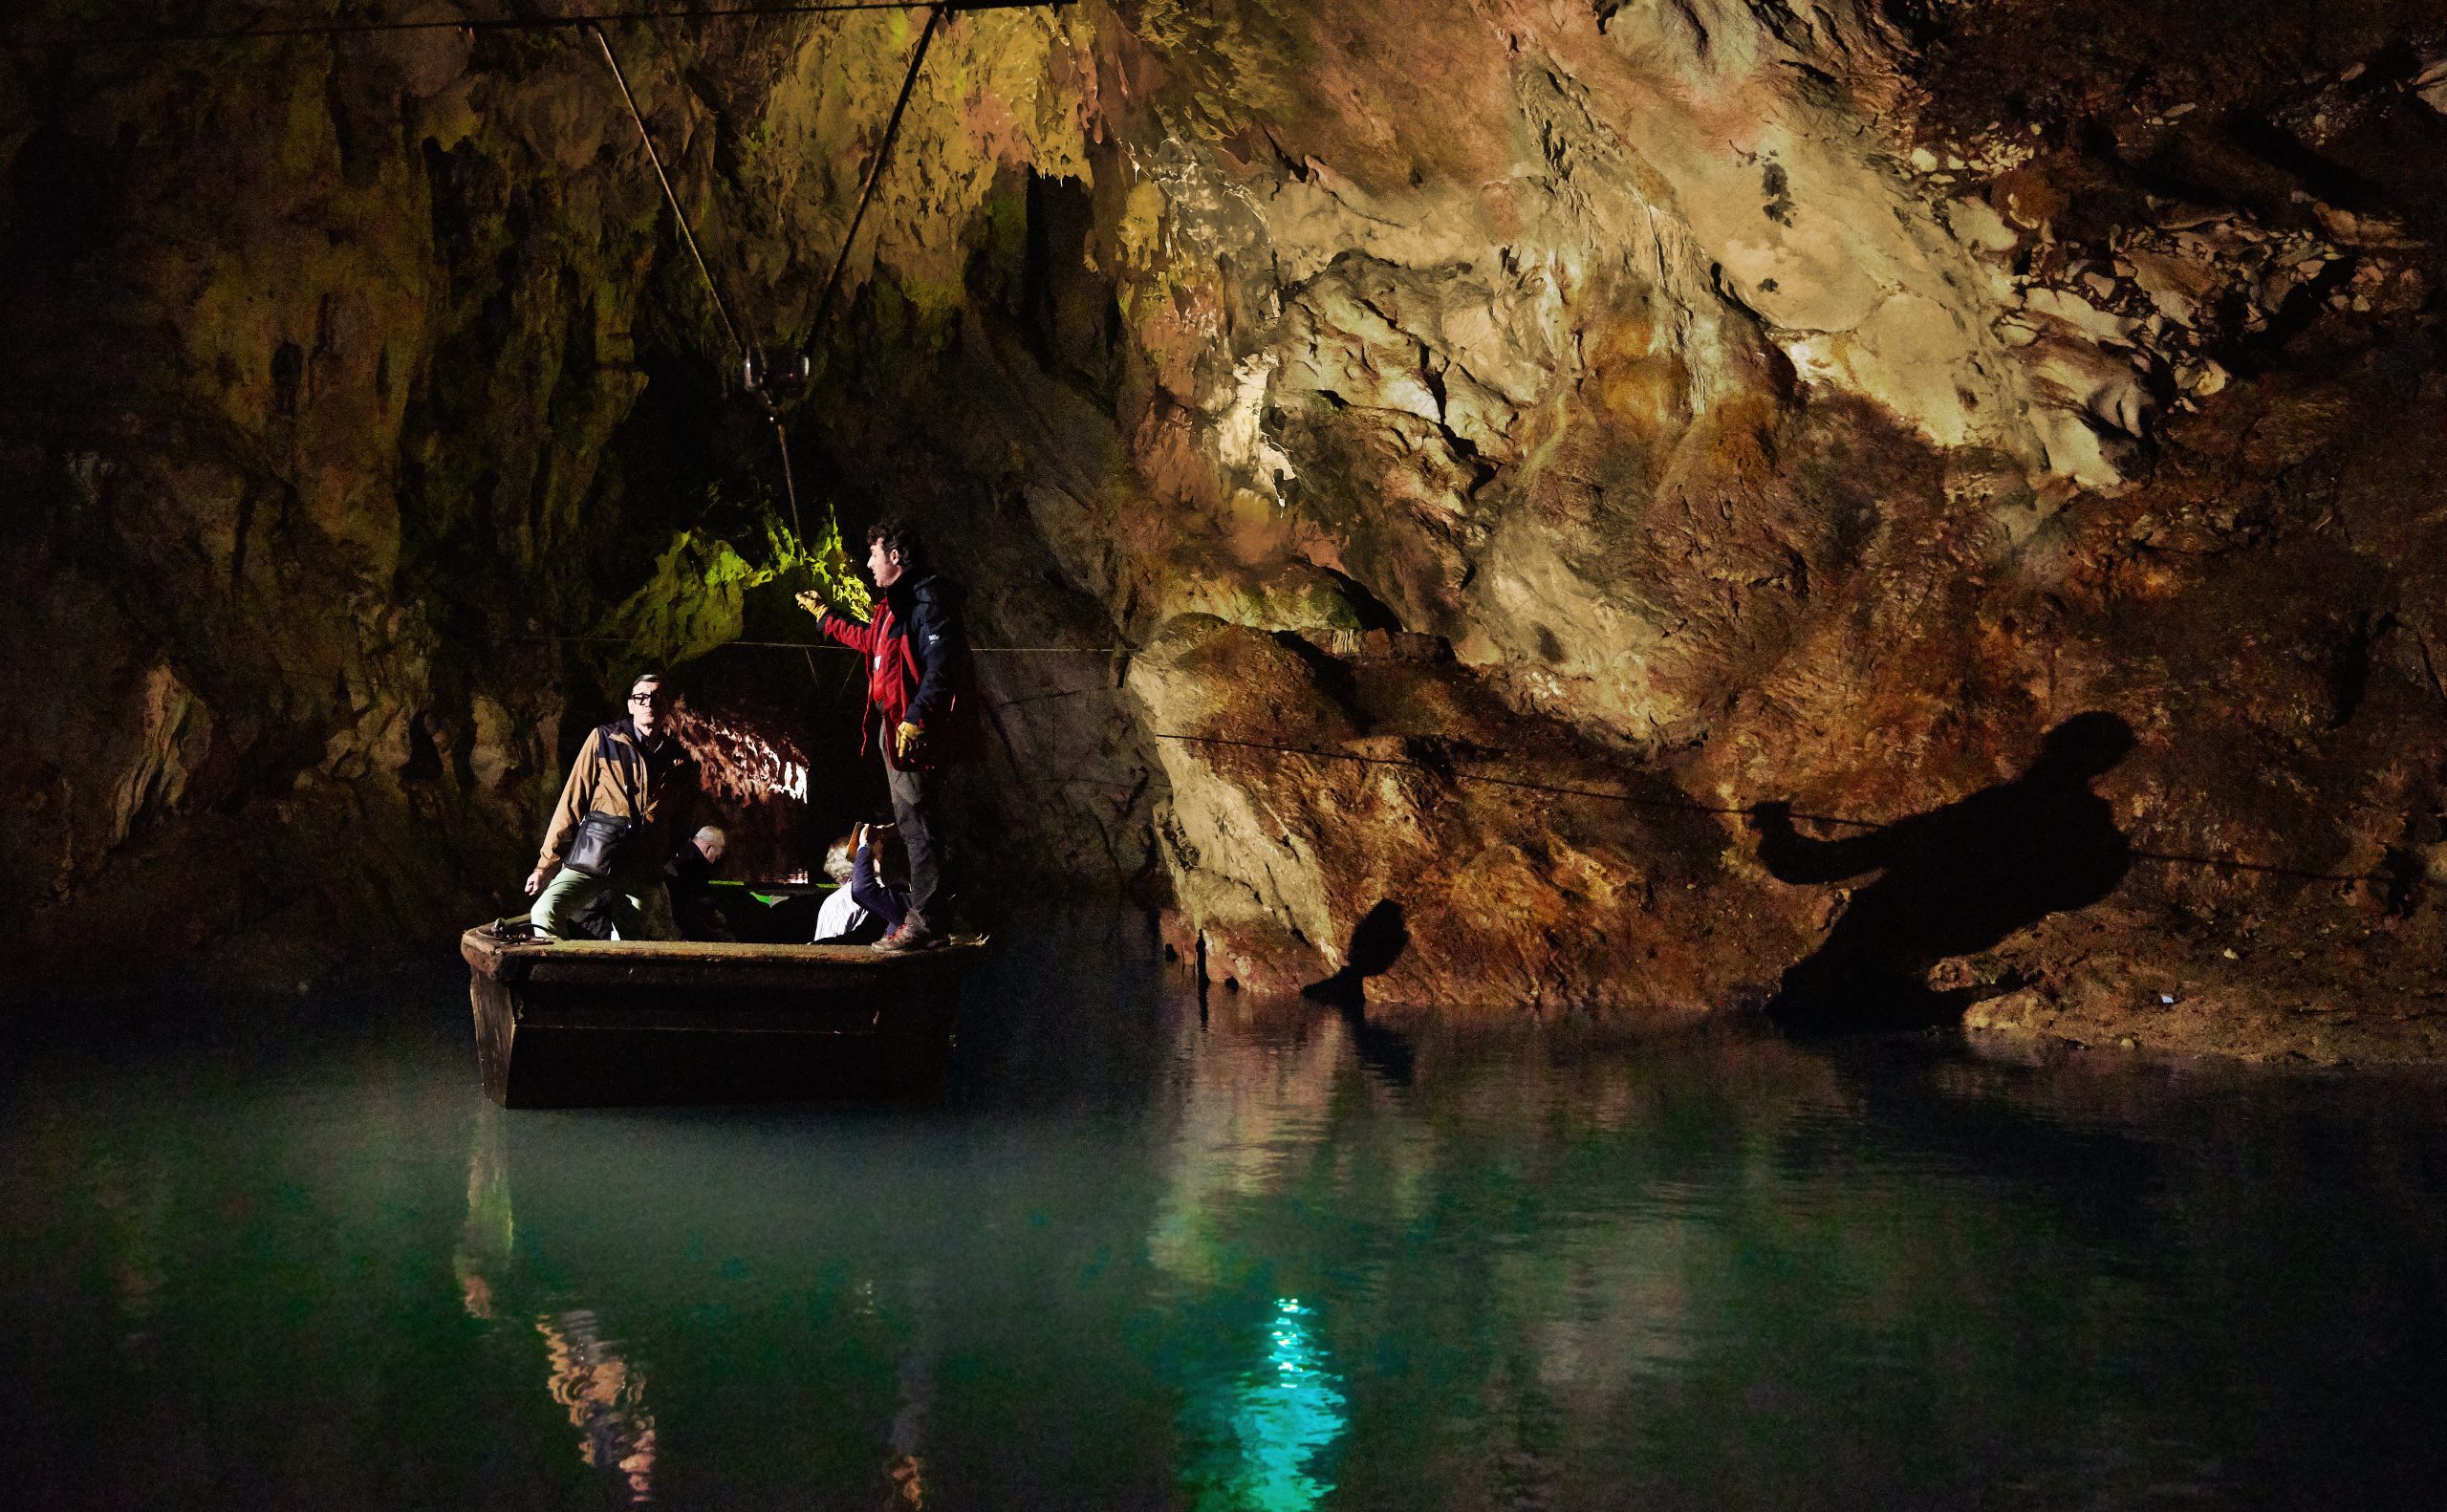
[1956, 881]
[1377, 942]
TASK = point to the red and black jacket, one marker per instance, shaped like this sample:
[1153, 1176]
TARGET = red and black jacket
[919, 671]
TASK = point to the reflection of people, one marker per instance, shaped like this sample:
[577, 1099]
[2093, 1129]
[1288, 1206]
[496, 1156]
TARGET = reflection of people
[921, 701]
[485, 1243]
[873, 898]
[1957, 881]
[632, 770]
[603, 1391]
[605, 1395]
[907, 1472]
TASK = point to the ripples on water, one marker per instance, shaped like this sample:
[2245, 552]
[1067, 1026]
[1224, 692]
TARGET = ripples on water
[1263, 1256]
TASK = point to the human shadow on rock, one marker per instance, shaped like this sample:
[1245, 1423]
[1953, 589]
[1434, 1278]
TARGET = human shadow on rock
[1377, 942]
[1953, 881]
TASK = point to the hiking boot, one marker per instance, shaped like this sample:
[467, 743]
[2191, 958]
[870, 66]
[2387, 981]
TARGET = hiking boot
[913, 933]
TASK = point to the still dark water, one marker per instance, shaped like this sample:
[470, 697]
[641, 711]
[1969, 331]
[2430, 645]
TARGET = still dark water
[282, 1254]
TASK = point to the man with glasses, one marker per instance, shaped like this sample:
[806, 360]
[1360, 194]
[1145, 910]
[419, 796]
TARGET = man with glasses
[629, 801]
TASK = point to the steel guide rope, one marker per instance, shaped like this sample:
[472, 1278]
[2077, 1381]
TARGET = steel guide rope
[722, 307]
[538, 23]
[687, 237]
[875, 173]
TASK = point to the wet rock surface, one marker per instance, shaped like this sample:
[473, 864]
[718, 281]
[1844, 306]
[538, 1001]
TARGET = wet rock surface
[1458, 457]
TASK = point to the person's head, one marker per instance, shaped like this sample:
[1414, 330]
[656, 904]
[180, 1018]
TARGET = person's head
[894, 552]
[2086, 745]
[710, 843]
[886, 856]
[839, 859]
[648, 702]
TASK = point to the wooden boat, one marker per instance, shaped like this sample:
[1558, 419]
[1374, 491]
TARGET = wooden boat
[585, 1022]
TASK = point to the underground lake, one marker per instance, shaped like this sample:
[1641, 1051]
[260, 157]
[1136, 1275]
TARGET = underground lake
[1153, 1252]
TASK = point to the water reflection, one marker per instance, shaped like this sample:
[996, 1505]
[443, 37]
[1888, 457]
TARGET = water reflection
[486, 1240]
[1284, 1415]
[916, 1380]
[134, 1195]
[1146, 1260]
[587, 1374]
[604, 1397]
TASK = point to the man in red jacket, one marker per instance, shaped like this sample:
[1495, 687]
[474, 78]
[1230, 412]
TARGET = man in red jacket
[921, 707]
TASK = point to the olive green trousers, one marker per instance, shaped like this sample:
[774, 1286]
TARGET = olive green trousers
[640, 906]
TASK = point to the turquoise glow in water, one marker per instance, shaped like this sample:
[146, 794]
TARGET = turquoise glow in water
[266, 1254]
[1282, 1418]
[1288, 1416]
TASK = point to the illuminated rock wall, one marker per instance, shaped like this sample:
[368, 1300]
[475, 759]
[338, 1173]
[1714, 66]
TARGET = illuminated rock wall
[1464, 451]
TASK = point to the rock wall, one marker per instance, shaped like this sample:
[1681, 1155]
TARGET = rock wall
[1459, 455]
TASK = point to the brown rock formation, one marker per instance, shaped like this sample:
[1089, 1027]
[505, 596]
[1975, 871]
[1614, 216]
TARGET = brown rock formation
[1505, 440]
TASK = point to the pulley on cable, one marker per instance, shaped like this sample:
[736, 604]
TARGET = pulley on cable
[771, 381]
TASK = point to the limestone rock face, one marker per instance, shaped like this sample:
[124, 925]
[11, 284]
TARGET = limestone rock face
[1514, 867]
[1346, 409]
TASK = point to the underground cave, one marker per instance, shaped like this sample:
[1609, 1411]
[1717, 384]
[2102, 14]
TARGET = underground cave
[1708, 763]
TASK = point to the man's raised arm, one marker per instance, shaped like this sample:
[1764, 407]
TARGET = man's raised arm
[840, 627]
[1791, 857]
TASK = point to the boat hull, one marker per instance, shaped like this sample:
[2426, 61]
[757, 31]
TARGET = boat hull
[578, 1024]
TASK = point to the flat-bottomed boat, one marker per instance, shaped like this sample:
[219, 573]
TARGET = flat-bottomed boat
[586, 1023]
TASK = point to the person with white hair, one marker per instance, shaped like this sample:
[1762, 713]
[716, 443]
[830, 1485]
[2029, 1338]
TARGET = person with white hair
[874, 895]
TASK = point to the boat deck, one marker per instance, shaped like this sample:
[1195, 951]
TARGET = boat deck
[572, 1023]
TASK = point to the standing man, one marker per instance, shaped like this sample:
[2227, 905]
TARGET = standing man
[622, 816]
[921, 707]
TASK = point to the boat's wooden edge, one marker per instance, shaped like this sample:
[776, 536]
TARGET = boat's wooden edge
[487, 955]
[511, 959]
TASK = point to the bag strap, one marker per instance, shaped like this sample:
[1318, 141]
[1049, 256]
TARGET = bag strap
[627, 759]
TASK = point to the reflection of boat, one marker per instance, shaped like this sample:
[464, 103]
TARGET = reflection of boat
[589, 1374]
[584, 1023]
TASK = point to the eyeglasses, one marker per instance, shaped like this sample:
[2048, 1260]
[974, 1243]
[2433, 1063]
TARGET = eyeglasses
[641, 697]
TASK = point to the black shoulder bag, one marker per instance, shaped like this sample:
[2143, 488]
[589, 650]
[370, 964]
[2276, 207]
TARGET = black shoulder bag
[601, 838]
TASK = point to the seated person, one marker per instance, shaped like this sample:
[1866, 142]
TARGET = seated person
[839, 914]
[689, 878]
[875, 897]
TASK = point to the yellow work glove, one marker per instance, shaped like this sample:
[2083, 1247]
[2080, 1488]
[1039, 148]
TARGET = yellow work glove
[905, 740]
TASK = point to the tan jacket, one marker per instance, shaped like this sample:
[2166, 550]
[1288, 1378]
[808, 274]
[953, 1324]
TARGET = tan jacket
[616, 774]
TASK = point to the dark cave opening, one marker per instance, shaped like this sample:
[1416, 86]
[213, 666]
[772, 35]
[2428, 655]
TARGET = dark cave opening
[771, 713]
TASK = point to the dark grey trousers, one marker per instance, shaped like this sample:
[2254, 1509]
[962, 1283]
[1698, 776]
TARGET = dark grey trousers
[917, 810]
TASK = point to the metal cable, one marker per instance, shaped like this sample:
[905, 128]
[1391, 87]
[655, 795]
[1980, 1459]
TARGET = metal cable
[738, 13]
[687, 237]
[1458, 775]
[748, 355]
[790, 484]
[2223, 863]
[750, 358]
[796, 645]
[1522, 783]
[875, 174]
